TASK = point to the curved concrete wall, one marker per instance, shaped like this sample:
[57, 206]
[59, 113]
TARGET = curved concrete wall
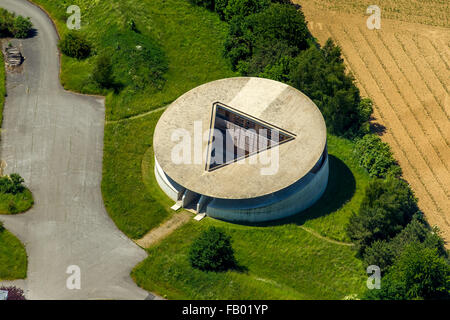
[294, 199]
[170, 187]
[291, 200]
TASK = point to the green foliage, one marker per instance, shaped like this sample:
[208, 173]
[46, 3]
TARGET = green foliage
[376, 157]
[74, 44]
[212, 251]
[138, 61]
[321, 75]
[12, 184]
[419, 273]
[387, 207]
[21, 27]
[383, 253]
[283, 262]
[13, 257]
[12, 25]
[103, 72]
[208, 4]
[241, 7]
[2, 227]
[262, 38]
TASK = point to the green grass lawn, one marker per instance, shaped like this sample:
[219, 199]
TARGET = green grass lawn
[13, 257]
[22, 202]
[283, 260]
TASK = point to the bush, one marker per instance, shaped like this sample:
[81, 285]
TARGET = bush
[212, 251]
[262, 38]
[376, 157]
[75, 45]
[388, 206]
[241, 8]
[321, 75]
[103, 72]
[12, 25]
[21, 27]
[12, 184]
[383, 253]
[419, 273]
[2, 227]
[14, 293]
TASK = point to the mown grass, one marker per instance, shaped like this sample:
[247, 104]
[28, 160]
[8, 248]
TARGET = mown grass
[22, 202]
[13, 257]
[282, 262]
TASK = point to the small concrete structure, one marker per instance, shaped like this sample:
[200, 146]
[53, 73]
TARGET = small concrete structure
[13, 57]
[273, 178]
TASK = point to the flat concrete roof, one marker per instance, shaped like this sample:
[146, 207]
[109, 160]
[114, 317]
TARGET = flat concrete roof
[274, 102]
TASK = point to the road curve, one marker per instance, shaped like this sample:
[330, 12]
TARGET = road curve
[54, 139]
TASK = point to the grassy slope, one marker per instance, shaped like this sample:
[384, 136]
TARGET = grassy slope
[192, 40]
[283, 261]
[13, 257]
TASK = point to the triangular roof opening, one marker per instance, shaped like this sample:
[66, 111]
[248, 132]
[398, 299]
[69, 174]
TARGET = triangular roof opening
[235, 135]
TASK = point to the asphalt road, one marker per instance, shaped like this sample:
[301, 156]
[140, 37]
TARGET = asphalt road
[54, 139]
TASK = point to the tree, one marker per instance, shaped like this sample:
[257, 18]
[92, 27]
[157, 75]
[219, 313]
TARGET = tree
[376, 157]
[263, 37]
[321, 75]
[388, 206]
[419, 273]
[212, 251]
[242, 7]
[384, 253]
[75, 45]
[103, 72]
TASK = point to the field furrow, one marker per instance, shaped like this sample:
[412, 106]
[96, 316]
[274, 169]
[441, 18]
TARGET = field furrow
[374, 78]
[422, 91]
[440, 89]
[420, 121]
[416, 142]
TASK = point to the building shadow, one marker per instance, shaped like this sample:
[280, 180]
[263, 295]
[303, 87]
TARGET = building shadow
[340, 189]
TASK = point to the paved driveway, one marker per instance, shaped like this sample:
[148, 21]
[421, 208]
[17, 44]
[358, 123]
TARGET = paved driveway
[54, 139]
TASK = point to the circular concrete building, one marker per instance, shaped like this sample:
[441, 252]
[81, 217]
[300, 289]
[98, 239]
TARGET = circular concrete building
[242, 149]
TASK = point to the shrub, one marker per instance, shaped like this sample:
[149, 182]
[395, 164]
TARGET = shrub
[17, 183]
[14, 293]
[321, 75]
[212, 251]
[265, 36]
[103, 72]
[376, 157]
[388, 206]
[75, 45]
[383, 253]
[12, 25]
[21, 27]
[12, 184]
[2, 227]
[419, 273]
[242, 7]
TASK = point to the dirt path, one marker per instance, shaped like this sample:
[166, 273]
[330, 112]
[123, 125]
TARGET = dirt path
[317, 235]
[159, 233]
[404, 69]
